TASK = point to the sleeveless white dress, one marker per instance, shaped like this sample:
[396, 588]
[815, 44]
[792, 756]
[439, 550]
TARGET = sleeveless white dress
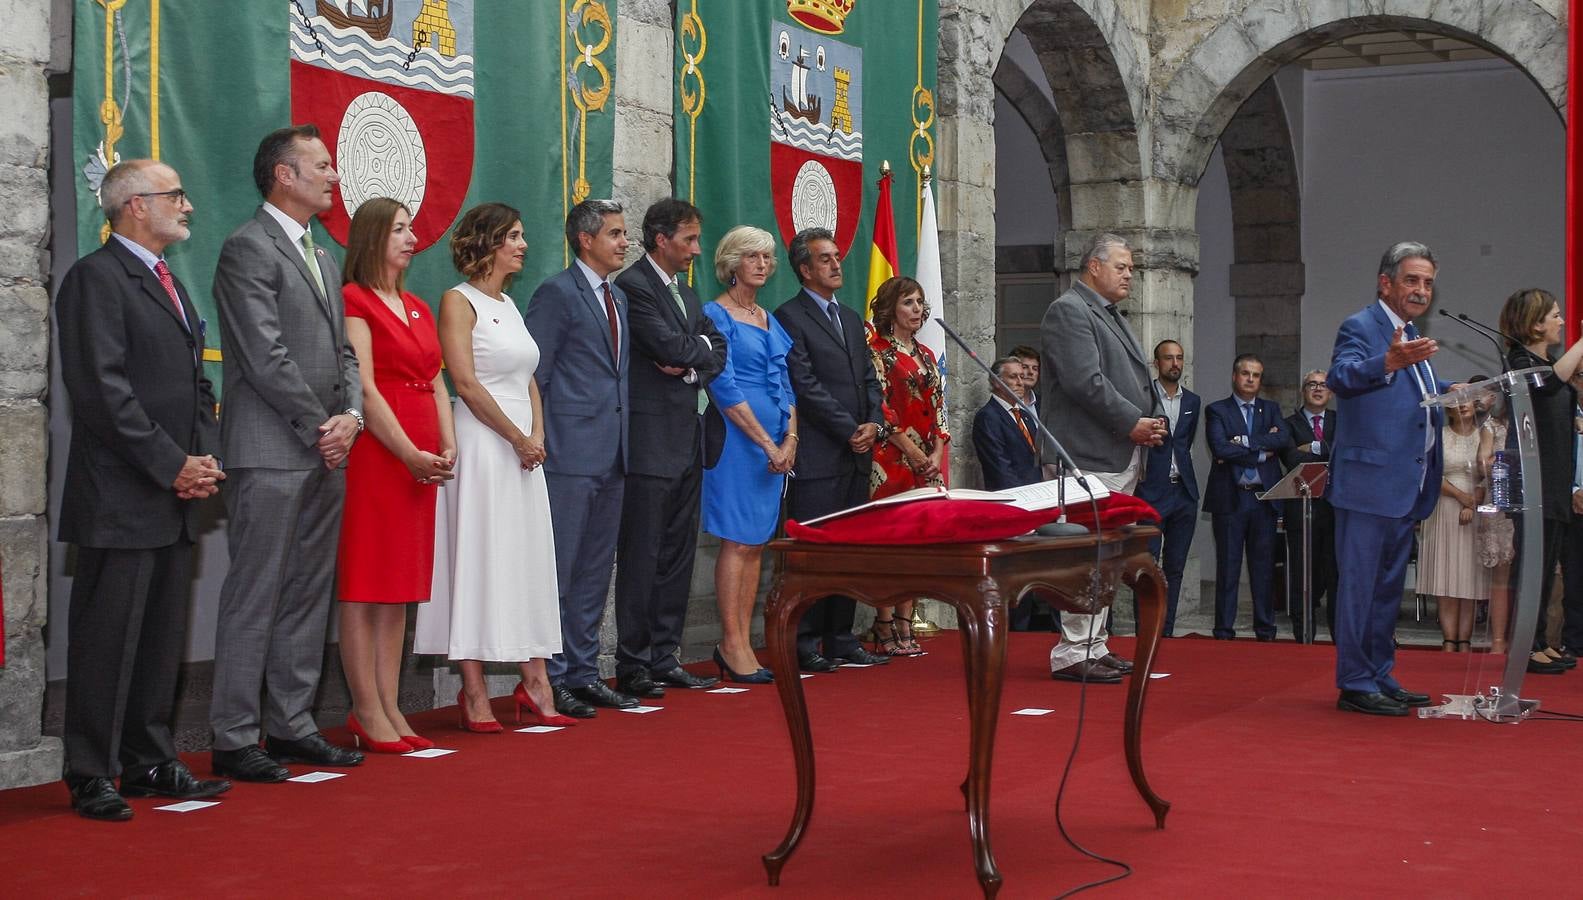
[494, 593]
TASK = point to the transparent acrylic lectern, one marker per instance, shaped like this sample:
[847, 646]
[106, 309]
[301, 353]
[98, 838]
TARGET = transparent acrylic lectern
[1508, 471]
[1306, 482]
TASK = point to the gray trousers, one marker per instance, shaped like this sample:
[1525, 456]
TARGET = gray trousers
[285, 525]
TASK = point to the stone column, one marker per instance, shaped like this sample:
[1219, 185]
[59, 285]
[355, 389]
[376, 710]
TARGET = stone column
[26, 757]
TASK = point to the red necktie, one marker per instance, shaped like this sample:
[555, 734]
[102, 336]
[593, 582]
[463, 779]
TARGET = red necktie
[610, 313]
[163, 271]
[1023, 426]
[1319, 427]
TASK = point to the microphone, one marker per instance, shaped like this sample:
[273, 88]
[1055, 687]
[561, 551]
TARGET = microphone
[1479, 329]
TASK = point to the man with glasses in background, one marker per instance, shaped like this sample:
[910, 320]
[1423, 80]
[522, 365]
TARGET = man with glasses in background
[1313, 430]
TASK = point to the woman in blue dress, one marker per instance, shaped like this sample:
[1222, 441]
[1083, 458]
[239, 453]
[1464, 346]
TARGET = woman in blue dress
[742, 492]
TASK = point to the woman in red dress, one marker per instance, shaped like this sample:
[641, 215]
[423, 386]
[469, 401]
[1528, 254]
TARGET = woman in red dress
[910, 451]
[387, 529]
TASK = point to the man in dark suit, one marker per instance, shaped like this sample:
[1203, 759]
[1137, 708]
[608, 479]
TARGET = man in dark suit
[676, 351]
[578, 317]
[1313, 430]
[143, 435]
[1096, 399]
[1169, 483]
[1385, 473]
[1246, 435]
[1006, 442]
[292, 399]
[838, 395]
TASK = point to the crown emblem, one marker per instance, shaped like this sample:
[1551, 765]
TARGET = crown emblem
[823, 16]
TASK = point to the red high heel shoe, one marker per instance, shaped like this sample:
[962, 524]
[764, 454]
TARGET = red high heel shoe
[418, 743]
[360, 737]
[466, 724]
[524, 700]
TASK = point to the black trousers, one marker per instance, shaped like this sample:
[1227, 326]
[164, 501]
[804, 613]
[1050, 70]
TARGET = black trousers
[127, 629]
[654, 569]
[1323, 569]
[827, 625]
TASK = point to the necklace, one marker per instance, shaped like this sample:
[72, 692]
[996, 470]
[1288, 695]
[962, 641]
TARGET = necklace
[752, 307]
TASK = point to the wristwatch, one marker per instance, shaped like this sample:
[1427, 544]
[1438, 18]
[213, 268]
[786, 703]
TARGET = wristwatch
[358, 416]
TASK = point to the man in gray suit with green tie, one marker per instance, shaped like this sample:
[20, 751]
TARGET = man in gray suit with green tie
[291, 399]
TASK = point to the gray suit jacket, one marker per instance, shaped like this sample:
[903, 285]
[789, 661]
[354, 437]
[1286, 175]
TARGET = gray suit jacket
[1094, 380]
[583, 390]
[288, 366]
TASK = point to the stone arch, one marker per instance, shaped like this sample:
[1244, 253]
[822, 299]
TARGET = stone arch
[1044, 121]
[1241, 53]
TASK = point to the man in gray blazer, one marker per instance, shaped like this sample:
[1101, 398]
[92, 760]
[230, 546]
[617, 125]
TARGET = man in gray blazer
[291, 411]
[578, 317]
[142, 438]
[1099, 402]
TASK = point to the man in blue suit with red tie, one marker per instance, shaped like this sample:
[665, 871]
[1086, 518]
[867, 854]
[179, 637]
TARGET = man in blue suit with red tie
[1246, 434]
[1384, 473]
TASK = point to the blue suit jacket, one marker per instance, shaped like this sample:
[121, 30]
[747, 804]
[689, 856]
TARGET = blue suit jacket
[1378, 465]
[1223, 421]
[583, 389]
[1003, 452]
[1156, 484]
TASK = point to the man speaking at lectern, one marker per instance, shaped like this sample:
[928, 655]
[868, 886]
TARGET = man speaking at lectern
[1385, 473]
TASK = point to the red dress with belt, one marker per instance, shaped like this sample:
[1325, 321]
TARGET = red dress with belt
[387, 528]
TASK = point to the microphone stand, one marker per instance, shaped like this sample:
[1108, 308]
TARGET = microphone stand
[1064, 460]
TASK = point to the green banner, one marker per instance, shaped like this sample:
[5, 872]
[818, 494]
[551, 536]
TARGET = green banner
[443, 104]
[785, 112]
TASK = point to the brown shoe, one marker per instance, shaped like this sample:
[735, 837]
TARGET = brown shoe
[1090, 670]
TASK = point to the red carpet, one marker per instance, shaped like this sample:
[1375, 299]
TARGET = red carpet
[1272, 789]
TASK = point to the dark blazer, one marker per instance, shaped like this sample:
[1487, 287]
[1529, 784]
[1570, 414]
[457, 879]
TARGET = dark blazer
[584, 390]
[835, 383]
[140, 403]
[288, 364]
[1302, 431]
[1156, 483]
[1222, 421]
[1003, 453]
[664, 422]
[1379, 465]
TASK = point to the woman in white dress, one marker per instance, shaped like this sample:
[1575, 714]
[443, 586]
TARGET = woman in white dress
[1448, 566]
[494, 596]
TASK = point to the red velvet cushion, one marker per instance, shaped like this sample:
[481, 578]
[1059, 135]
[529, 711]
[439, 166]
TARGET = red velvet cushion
[926, 522]
[1114, 511]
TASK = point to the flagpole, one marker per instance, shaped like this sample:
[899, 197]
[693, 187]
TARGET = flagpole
[1574, 302]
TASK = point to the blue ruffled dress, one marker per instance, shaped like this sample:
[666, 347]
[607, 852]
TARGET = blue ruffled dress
[742, 497]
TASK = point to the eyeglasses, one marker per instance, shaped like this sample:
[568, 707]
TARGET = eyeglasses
[1310, 385]
[179, 195]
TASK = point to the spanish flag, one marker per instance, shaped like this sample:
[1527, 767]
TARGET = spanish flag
[882, 258]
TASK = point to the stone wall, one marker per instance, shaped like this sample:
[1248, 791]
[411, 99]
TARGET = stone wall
[26, 757]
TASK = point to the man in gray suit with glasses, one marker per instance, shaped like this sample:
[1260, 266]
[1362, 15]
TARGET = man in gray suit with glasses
[291, 399]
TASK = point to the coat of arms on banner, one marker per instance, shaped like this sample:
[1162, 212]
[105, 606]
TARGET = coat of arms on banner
[816, 133]
[391, 88]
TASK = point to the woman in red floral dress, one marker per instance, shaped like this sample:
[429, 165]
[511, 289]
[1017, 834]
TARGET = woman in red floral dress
[910, 452]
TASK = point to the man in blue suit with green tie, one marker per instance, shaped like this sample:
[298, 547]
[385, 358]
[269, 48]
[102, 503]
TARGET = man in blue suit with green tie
[1384, 473]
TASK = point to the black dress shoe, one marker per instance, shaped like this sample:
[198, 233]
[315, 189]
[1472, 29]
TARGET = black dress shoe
[1091, 670]
[1539, 664]
[1373, 703]
[567, 704]
[680, 677]
[861, 657]
[250, 763]
[1407, 698]
[96, 798]
[1564, 658]
[312, 749]
[599, 694]
[640, 684]
[813, 662]
[1111, 660]
[171, 779]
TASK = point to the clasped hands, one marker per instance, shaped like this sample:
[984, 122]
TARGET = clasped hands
[862, 440]
[530, 451]
[200, 477]
[432, 468]
[335, 438]
[1148, 432]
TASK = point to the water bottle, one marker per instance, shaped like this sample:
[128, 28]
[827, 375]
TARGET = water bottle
[1500, 482]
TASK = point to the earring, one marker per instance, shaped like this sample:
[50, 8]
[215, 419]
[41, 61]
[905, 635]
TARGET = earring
[733, 281]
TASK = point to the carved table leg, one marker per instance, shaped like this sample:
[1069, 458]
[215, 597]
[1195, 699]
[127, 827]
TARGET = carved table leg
[969, 631]
[782, 611]
[1148, 582]
[984, 622]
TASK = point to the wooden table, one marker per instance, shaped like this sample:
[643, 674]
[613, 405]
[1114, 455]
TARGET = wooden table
[981, 581]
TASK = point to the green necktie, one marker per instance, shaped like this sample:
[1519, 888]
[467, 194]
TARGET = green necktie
[681, 307]
[313, 262]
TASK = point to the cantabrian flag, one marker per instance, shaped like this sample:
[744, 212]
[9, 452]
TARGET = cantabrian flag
[882, 256]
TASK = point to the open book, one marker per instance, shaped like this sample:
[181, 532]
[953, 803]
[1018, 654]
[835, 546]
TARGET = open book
[1041, 495]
